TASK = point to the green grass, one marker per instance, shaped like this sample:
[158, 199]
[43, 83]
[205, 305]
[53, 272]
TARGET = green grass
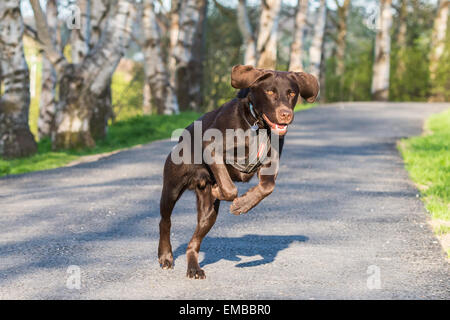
[427, 159]
[304, 106]
[131, 131]
[122, 134]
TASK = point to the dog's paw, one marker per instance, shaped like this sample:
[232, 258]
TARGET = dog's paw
[166, 262]
[239, 206]
[195, 273]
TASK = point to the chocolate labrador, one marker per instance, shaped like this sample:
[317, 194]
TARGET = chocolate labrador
[265, 102]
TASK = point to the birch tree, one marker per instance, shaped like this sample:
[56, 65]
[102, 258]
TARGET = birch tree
[195, 71]
[342, 11]
[174, 31]
[438, 43]
[157, 83]
[315, 51]
[186, 24]
[296, 53]
[82, 86]
[47, 106]
[266, 44]
[16, 139]
[80, 33]
[401, 38]
[247, 34]
[380, 77]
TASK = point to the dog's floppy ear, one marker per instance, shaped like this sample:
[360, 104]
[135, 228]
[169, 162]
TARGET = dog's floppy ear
[308, 85]
[244, 76]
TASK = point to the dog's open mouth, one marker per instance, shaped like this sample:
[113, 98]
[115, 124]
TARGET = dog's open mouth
[279, 129]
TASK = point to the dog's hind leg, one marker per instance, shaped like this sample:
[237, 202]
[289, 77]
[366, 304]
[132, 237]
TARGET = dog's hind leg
[207, 210]
[170, 194]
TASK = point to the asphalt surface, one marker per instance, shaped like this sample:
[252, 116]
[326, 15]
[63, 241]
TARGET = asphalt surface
[343, 222]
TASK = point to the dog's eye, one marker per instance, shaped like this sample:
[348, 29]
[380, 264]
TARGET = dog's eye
[269, 92]
[292, 94]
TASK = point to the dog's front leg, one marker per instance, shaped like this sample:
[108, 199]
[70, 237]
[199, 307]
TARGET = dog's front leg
[225, 188]
[254, 195]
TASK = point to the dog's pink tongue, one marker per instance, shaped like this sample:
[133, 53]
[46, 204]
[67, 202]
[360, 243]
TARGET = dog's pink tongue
[279, 129]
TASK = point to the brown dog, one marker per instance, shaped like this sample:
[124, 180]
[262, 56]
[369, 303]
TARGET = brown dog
[266, 101]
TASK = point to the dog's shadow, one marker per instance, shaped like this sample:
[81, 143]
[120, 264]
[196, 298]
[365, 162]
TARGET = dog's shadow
[267, 246]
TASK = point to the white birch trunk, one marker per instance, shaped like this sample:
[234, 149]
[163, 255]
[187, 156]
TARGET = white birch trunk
[247, 34]
[342, 33]
[172, 61]
[380, 78]
[315, 51]
[16, 139]
[84, 87]
[156, 74]
[99, 14]
[438, 37]
[266, 45]
[147, 107]
[98, 21]
[80, 36]
[47, 107]
[189, 22]
[296, 54]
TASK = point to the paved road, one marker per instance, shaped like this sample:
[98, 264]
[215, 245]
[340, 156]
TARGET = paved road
[343, 212]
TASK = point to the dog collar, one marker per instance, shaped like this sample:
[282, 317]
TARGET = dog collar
[255, 125]
[265, 122]
[252, 110]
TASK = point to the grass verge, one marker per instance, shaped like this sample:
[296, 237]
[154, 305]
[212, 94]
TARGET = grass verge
[122, 134]
[427, 160]
[125, 133]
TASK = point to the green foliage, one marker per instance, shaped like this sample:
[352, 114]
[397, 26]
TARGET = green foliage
[127, 92]
[413, 84]
[355, 83]
[122, 134]
[304, 106]
[427, 159]
[441, 85]
[223, 50]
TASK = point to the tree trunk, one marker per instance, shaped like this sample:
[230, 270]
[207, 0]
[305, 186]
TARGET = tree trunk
[315, 51]
[190, 21]
[102, 109]
[80, 36]
[246, 30]
[47, 108]
[172, 61]
[147, 107]
[341, 34]
[16, 139]
[195, 70]
[84, 88]
[156, 74]
[402, 28]
[438, 44]
[73, 119]
[296, 54]
[266, 45]
[380, 78]
[98, 21]
[401, 39]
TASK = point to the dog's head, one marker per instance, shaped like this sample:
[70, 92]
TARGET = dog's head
[274, 94]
